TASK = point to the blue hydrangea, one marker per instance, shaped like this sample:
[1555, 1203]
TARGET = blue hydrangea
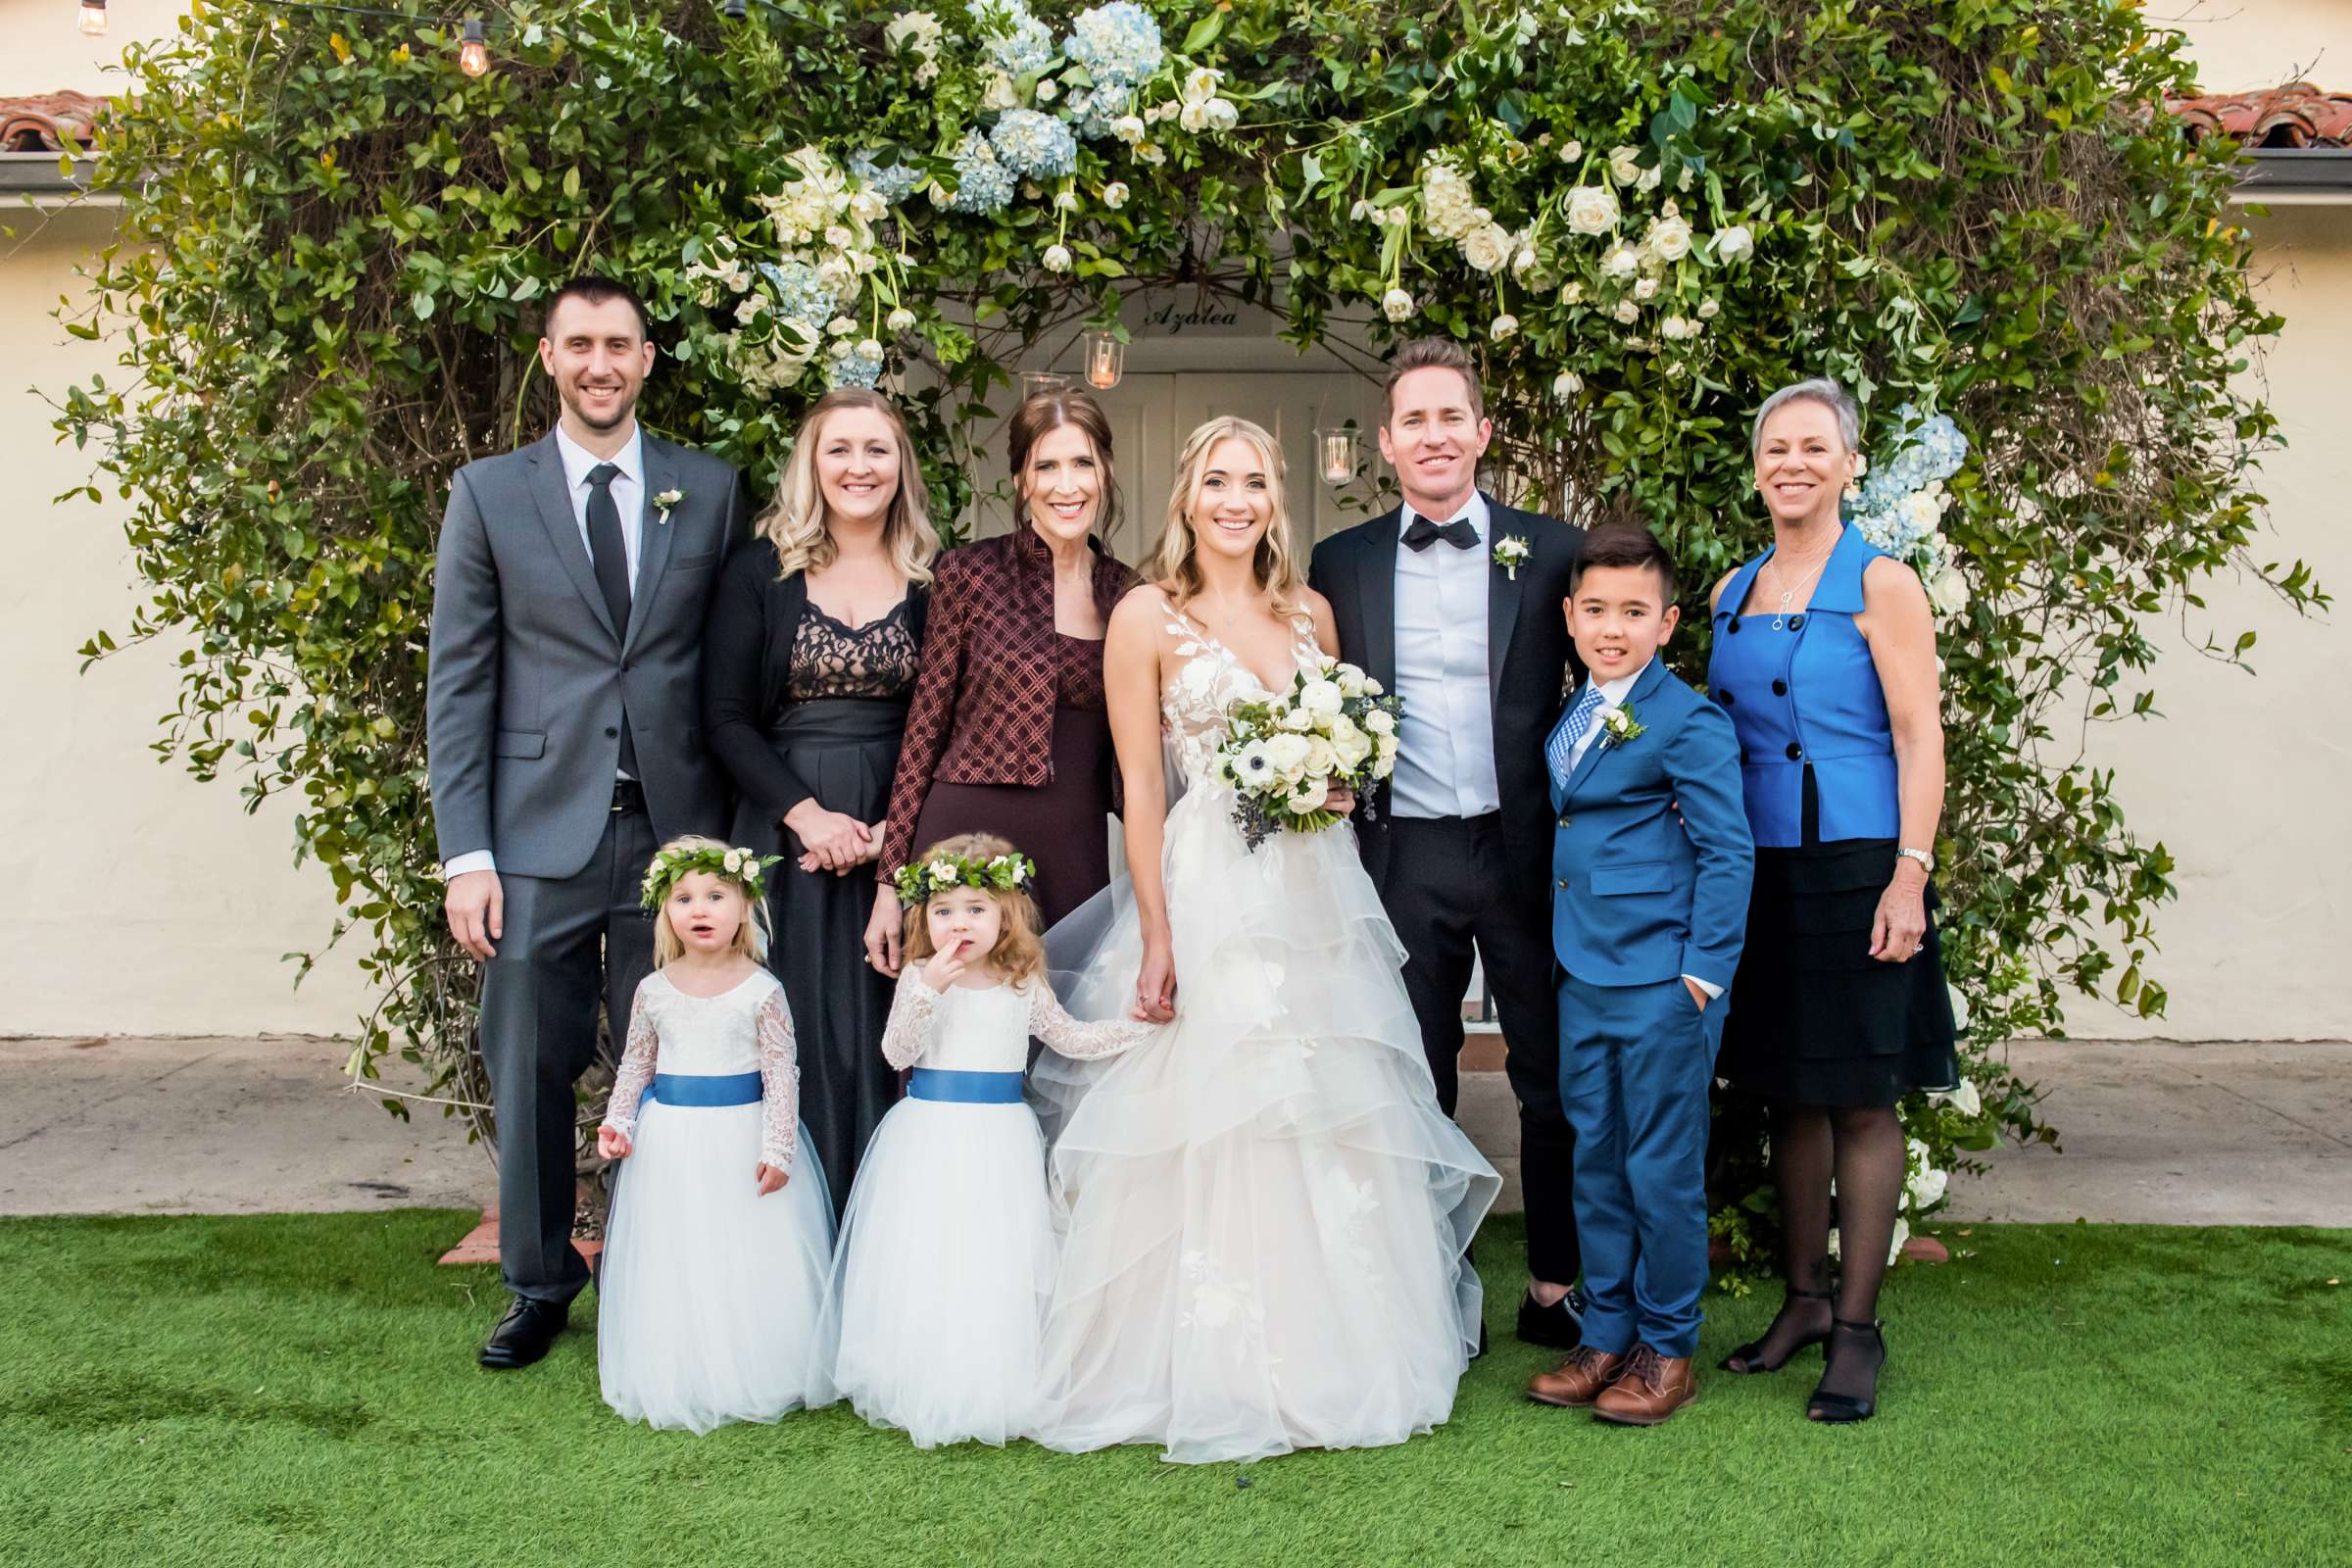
[799, 296]
[1894, 510]
[1099, 110]
[853, 368]
[1115, 43]
[893, 181]
[982, 184]
[1034, 145]
[1019, 44]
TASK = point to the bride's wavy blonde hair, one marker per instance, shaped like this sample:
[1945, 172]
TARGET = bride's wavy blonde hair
[1176, 563]
[795, 521]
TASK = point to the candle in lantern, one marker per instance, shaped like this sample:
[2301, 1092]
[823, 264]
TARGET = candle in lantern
[1339, 455]
[1106, 359]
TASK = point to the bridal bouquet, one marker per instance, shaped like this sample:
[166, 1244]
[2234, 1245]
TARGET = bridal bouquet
[1284, 755]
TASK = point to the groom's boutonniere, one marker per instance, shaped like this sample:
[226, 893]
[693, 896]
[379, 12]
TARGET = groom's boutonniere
[1619, 725]
[1510, 553]
[667, 499]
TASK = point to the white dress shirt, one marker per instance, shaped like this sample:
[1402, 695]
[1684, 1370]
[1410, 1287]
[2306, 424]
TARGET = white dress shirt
[628, 499]
[1612, 697]
[1445, 742]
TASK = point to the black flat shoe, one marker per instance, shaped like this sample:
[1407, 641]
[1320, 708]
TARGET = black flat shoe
[524, 1334]
[1750, 1355]
[1843, 1409]
[1559, 1326]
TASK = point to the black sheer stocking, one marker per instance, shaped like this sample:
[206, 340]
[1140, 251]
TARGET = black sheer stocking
[1870, 1161]
[1800, 1166]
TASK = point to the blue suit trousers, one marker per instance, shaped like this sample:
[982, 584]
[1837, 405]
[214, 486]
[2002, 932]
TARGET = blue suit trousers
[1635, 1065]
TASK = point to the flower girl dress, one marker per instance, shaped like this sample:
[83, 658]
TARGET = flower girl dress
[710, 1293]
[947, 1245]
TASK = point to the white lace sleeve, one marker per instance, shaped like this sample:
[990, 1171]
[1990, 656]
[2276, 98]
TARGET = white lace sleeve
[915, 1019]
[779, 1081]
[636, 1069]
[1081, 1041]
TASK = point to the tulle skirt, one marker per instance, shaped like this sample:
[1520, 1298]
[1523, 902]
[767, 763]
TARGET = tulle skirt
[940, 1285]
[709, 1294]
[1265, 1215]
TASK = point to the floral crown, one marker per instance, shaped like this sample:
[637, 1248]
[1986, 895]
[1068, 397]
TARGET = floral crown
[918, 883]
[746, 867]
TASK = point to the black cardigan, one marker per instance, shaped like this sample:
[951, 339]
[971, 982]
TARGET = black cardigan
[747, 659]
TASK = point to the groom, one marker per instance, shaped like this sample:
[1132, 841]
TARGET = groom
[1436, 601]
[564, 743]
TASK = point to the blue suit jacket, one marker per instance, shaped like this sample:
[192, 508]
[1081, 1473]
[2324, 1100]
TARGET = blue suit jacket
[1640, 893]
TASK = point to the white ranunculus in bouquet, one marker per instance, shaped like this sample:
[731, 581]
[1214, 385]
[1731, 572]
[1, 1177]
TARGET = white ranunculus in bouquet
[1284, 755]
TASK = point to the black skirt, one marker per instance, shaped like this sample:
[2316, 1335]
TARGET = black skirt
[846, 749]
[1814, 1018]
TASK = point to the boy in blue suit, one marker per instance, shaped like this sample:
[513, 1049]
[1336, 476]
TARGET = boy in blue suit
[1651, 861]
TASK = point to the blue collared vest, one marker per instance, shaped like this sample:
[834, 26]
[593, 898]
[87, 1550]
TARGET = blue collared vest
[1805, 695]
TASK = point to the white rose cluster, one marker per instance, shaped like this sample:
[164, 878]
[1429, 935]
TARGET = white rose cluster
[1286, 754]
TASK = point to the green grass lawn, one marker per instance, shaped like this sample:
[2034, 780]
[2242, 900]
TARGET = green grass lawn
[301, 1390]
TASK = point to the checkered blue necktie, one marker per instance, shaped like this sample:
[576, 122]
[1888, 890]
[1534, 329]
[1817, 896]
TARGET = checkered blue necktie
[1564, 738]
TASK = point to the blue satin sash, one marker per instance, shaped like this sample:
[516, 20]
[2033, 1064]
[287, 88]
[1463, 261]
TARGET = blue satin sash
[965, 1088]
[706, 1088]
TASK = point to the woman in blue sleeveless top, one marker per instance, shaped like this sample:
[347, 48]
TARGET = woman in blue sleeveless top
[1824, 657]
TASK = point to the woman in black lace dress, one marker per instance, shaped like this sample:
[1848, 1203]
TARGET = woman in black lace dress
[807, 661]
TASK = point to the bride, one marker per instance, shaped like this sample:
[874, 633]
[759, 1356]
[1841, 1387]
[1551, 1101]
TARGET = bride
[1266, 1215]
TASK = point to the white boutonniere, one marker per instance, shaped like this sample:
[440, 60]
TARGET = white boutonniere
[1510, 553]
[667, 499]
[1619, 725]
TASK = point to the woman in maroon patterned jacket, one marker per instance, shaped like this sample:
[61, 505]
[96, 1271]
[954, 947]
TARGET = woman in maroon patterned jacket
[1007, 732]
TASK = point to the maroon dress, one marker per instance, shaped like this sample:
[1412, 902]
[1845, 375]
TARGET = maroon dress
[1061, 824]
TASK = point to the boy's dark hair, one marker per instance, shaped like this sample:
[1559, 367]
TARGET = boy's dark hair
[1625, 544]
[589, 289]
[1432, 354]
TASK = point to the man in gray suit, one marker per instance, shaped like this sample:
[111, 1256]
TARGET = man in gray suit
[564, 732]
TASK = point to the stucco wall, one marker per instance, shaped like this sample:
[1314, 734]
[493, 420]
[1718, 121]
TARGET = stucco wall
[140, 900]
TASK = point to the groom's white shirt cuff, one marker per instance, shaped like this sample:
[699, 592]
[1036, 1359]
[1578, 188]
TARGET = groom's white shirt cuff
[457, 865]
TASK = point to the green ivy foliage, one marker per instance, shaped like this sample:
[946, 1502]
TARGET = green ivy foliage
[323, 301]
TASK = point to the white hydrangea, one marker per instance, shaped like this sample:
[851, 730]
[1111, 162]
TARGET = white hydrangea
[1448, 205]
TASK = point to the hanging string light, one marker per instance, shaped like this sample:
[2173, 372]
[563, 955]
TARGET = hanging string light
[473, 43]
[473, 54]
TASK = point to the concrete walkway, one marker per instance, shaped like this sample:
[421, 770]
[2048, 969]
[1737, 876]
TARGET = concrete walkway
[2237, 1133]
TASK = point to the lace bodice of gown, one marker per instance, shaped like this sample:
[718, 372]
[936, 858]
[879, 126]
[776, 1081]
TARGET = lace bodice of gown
[747, 1029]
[1208, 678]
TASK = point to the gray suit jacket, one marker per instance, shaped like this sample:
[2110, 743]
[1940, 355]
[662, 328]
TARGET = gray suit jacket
[528, 673]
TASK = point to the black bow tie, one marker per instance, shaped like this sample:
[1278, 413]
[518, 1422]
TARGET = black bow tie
[1459, 533]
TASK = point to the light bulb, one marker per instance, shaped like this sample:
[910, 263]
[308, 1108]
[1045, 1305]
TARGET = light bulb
[473, 54]
[92, 20]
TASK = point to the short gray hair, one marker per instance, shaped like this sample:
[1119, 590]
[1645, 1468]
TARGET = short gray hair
[1821, 390]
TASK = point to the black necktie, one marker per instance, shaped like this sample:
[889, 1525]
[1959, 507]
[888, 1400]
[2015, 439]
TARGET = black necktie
[1458, 533]
[611, 561]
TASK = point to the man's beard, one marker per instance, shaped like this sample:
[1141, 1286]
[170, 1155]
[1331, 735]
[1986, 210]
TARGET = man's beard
[620, 417]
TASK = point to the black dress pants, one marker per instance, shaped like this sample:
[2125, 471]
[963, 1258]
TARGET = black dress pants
[1449, 893]
[570, 947]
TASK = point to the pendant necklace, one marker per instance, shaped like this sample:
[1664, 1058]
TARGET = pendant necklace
[1788, 594]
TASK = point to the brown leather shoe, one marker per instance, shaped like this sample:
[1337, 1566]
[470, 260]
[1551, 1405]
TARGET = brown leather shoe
[1651, 1388]
[1580, 1379]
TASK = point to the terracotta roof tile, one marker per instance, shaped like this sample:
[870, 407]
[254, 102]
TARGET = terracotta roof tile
[48, 122]
[2297, 114]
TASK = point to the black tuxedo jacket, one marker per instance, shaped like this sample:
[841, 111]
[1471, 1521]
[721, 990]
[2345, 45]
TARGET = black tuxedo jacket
[1530, 665]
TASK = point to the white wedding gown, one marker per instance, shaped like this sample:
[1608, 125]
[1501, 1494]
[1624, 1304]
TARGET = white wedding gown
[1265, 1215]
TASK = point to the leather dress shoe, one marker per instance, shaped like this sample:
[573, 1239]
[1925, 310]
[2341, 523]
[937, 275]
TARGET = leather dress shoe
[524, 1334]
[1580, 1379]
[1559, 1326]
[1651, 1388]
